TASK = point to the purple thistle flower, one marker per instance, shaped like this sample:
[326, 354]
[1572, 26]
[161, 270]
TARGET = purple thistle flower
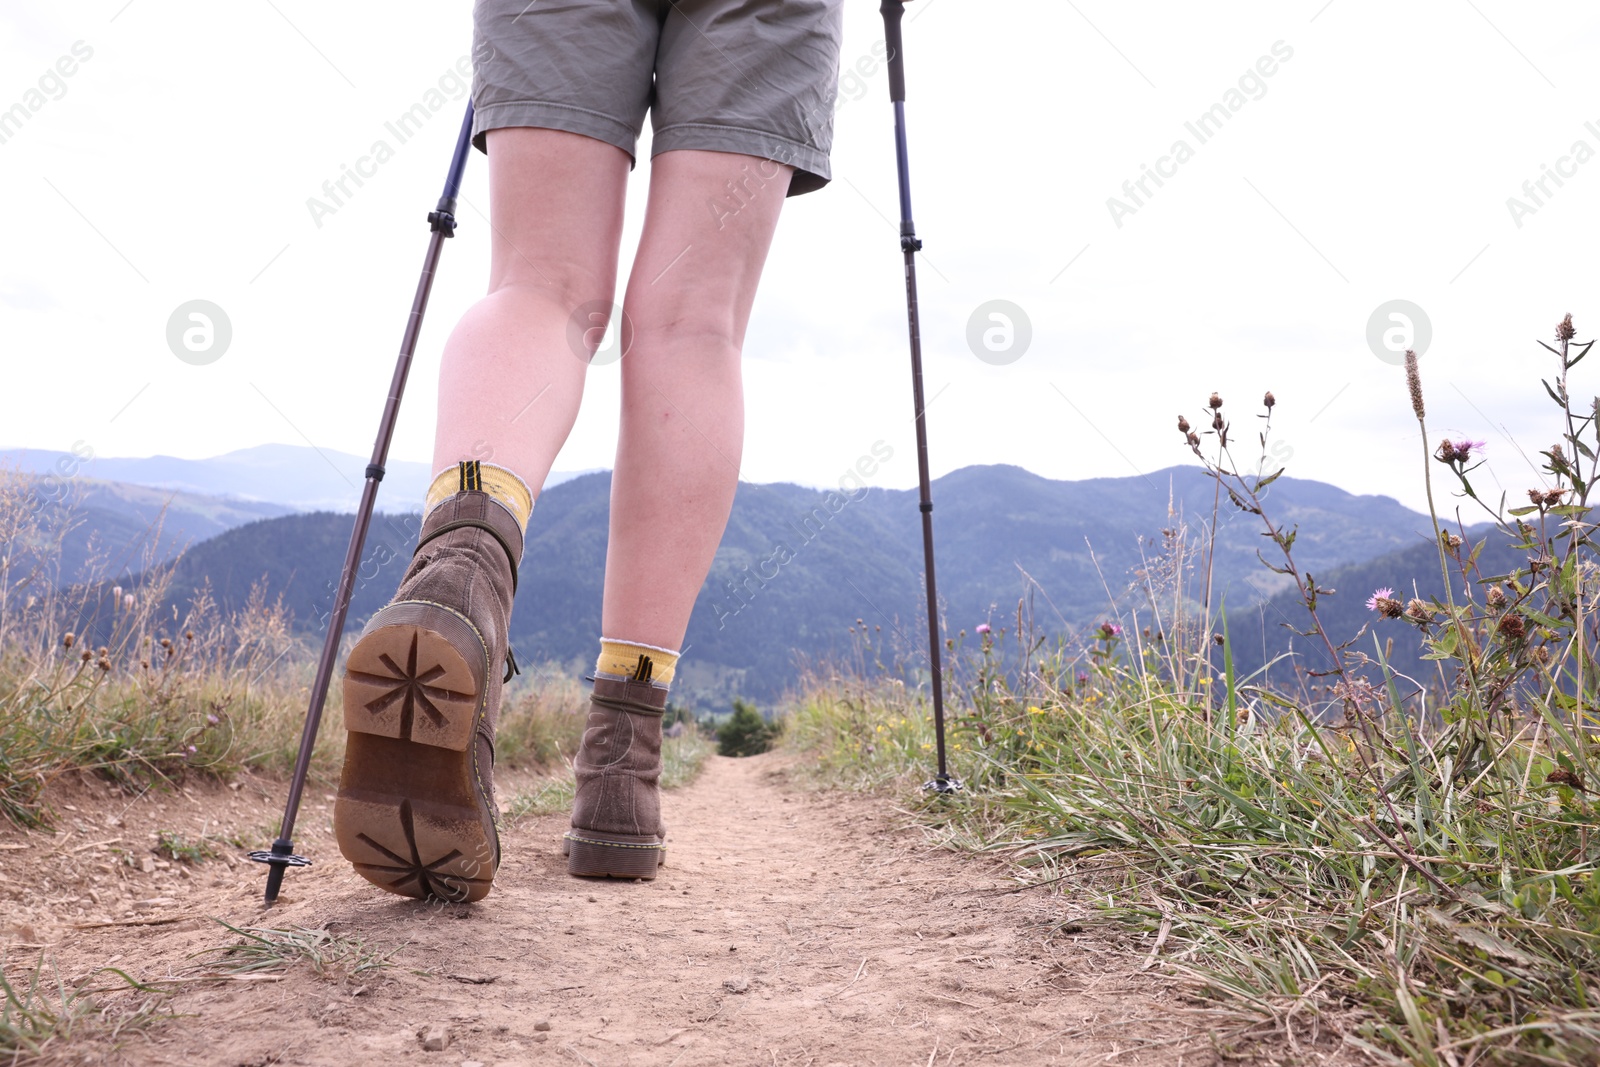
[982, 628]
[1109, 630]
[1383, 593]
[1465, 448]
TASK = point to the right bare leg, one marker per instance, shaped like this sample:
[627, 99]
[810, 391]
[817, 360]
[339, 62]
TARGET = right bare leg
[509, 382]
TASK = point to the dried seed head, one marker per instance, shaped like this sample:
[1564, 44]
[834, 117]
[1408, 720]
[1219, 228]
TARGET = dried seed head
[1269, 400]
[1495, 598]
[1452, 540]
[188, 635]
[68, 638]
[1216, 421]
[1183, 424]
[1194, 440]
[1564, 329]
[1414, 384]
[116, 592]
[145, 664]
[1563, 776]
[104, 664]
[1557, 454]
[85, 656]
[1215, 401]
[1512, 626]
[102, 651]
[1446, 452]
[166, 642]
[1388, 607]
[1542, 654]
[1554, 496]
[127, 601]
[1218, 639]
[1536, 495]
[1416, 610]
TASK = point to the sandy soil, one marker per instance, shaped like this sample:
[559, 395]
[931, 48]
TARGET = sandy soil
[789, 927]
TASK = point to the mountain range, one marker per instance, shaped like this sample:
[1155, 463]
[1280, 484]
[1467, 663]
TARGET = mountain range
[798, 567]
[294, 477]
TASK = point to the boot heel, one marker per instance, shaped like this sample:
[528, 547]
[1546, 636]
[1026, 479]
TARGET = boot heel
[595, 855]
[416, 675]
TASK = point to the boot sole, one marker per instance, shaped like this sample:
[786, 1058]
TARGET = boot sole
[591, 854]
[409, 816]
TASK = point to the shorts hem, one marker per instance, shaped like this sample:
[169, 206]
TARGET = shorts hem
[549, 116]
[811, 169]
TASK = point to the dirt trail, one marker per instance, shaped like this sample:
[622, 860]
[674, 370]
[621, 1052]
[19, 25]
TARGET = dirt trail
[789, 927]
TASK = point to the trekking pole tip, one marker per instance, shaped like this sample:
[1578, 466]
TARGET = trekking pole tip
[280, 858]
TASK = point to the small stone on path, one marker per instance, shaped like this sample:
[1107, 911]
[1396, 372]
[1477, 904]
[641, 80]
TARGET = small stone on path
[434, 1038]
[736, 985]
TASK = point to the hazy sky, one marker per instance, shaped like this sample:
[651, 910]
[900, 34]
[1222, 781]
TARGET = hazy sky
[1357, 153]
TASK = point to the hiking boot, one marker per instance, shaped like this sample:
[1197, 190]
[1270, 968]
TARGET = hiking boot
[416, 811]
[616, 814]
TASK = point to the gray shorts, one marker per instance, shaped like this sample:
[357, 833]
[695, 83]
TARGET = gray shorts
[757, 77]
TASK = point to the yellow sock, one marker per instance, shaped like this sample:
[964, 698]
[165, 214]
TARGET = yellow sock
[639, 663]
[498, 482]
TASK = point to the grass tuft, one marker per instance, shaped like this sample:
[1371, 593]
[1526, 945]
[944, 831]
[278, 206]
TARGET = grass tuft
[41, 1011]
[260, 949]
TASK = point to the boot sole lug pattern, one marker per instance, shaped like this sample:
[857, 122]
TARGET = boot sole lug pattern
[407, 815]
[597, 855]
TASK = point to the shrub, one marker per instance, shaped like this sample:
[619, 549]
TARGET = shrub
[746, 733]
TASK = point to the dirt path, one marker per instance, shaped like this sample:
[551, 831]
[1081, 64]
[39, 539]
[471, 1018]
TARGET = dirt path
[790, 927]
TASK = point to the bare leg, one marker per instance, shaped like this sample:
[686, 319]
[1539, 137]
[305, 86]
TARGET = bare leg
[689, 297]
[510, 383]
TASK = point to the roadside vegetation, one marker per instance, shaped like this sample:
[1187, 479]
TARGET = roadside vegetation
[1407, 865]
[97, 676]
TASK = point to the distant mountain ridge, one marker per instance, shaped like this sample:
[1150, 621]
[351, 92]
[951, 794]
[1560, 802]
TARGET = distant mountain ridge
[797, 567]
[295, 477]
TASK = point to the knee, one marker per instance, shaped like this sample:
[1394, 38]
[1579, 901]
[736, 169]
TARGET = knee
[693, 324]
[565, 287]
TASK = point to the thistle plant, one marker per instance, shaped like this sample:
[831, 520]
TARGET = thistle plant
[1526, 637]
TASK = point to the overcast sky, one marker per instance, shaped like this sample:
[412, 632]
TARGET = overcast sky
[1373, 163]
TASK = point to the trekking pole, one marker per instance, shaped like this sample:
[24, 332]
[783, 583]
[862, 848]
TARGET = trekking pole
[442, 220]
[892, 11]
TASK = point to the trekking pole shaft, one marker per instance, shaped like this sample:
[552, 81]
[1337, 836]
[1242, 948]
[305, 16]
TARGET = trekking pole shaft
[926, 507]
[442, 221]
[893, 11]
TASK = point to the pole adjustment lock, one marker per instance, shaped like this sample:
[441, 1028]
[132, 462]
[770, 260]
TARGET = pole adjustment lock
[442, 222]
